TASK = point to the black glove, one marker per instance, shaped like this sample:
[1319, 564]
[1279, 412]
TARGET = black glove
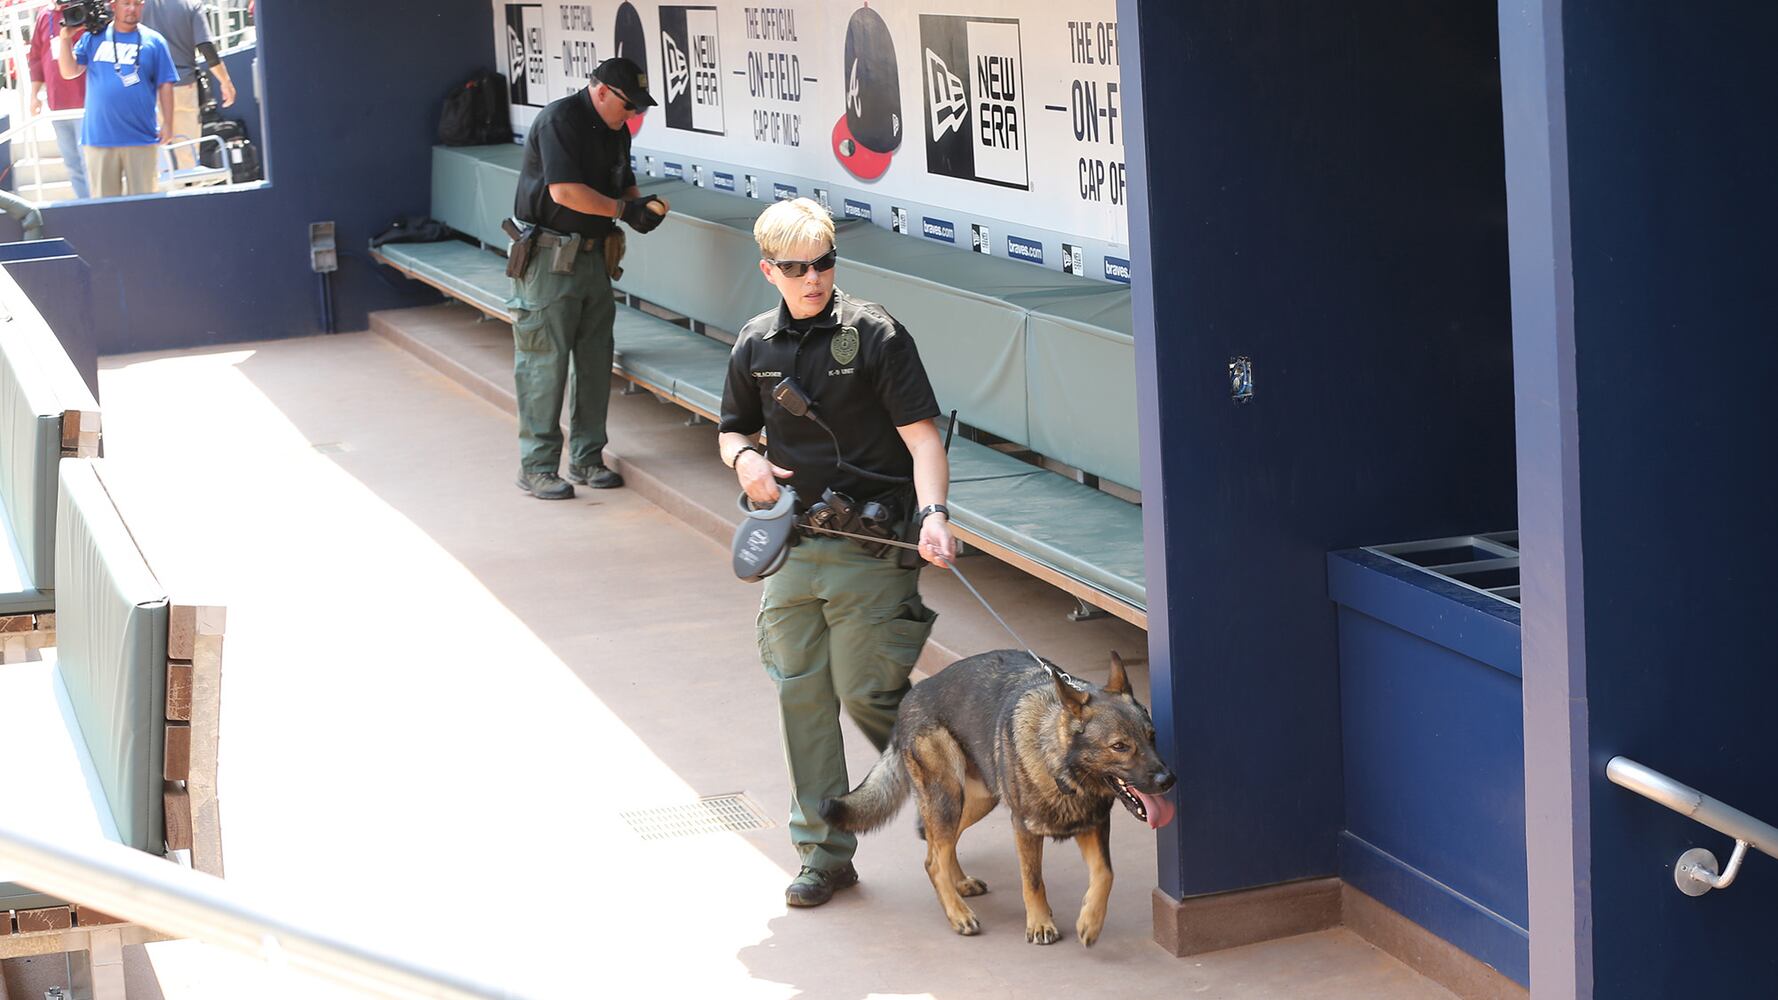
[638, 216]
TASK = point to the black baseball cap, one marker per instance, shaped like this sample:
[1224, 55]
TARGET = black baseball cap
[868, 134]
[626, 76]
[632, 44]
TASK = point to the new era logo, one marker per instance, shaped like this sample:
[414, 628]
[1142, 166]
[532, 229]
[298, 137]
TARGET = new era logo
[678, 68]
[949, 103]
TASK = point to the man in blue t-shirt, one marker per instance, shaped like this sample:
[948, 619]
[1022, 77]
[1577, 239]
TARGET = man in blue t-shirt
[131, 80]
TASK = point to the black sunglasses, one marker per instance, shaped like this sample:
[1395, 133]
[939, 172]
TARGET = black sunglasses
[798, 268]
[622, 97]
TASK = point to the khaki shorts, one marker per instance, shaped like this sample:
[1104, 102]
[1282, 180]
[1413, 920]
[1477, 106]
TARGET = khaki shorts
[186, 124]
[118, 170]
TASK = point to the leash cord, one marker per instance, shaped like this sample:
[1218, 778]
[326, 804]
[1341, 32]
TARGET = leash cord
[1052, 669]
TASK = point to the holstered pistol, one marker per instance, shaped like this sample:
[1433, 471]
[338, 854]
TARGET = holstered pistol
[518, 256]
[615, 245]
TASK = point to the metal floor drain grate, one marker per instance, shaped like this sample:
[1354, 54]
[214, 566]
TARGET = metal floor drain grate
[716, 814]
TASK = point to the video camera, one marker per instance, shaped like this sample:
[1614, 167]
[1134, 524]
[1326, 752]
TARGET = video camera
[93, 15]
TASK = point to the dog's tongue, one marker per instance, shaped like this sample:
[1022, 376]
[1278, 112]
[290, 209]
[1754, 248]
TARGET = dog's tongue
[1160, 809]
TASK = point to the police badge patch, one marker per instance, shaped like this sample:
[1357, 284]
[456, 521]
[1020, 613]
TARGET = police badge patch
[845, 345]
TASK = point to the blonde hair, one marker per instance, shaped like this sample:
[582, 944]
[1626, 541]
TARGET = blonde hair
[787, 223]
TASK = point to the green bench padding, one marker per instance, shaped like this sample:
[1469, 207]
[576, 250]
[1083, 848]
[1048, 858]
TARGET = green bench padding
[688, 367]
[972, 462]
[464, 271]
[1081, 532]
[38, 383]
[671, 358]
[111, 649]
[1075, 338]
[1039, 358]
[473, 188]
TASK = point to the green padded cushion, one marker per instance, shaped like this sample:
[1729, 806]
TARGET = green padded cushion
[1074, 529]
[470, 273]
[455, 201]
[670, 358]
[1092, 430]
[971, 339]
[972, 462]
[111, 638]
[38, 383]
[473, 188]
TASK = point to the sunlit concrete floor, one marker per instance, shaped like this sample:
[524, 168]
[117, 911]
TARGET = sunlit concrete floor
[442, 695]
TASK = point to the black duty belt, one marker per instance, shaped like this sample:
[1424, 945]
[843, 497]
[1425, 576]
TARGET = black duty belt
[551, 239]
[762, 545]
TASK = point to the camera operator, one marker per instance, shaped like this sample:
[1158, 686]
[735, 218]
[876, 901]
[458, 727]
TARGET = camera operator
[187, 32]
[841, 623]
[62, 95]
[131, 79]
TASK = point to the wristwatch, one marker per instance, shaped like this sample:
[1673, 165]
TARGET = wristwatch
[931, 509]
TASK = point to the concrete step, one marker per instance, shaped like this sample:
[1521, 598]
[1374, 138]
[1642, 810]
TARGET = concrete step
[50, 168]
[47, 193]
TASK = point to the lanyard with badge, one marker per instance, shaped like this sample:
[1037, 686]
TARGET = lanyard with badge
[128, 74]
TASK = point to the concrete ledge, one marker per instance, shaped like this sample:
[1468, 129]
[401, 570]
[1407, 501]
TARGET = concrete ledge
[1247, 916]
[1418, 948]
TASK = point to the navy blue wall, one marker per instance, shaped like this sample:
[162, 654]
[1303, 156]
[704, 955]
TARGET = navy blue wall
[1322, 190]
[1673, 210]
[351, 107]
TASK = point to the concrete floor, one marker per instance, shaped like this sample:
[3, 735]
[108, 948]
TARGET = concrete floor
[440, 694]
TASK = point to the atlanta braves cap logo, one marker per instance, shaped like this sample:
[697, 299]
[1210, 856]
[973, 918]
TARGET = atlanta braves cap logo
[868, 134]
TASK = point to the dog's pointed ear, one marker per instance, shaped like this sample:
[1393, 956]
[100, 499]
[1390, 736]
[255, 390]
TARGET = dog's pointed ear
[1120, 681]
[1073, 696]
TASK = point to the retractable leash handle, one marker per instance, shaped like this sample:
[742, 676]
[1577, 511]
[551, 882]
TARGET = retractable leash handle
[763, 538]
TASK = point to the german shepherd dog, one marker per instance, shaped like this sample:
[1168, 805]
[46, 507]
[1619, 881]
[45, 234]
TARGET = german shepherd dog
[1058, 751]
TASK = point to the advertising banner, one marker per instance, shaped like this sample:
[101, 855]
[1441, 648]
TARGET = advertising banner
[991, 124]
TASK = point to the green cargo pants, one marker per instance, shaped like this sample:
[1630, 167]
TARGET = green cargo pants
[836, 627]
[561, 328]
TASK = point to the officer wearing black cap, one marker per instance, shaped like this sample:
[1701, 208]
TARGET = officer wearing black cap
[841, 621]
[574, 185]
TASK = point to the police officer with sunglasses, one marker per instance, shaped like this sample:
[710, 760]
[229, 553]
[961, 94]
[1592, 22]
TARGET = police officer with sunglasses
[574, 185]
[841, 622]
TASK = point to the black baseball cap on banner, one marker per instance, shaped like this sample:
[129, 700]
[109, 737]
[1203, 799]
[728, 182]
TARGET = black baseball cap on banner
[868, 134]
[632, 45]
[626, 76]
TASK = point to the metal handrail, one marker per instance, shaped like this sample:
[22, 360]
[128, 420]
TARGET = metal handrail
[140, 888]
[1695, 872]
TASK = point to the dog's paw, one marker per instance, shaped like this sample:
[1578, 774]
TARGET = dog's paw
[1089, 927]
[1042, 933]
[971, 887]
[966, 924]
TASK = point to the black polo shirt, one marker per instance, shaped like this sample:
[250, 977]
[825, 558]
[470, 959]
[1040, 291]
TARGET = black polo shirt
[863, 372]
[570, 144]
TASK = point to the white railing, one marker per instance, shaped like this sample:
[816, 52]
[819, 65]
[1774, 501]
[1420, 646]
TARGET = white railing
[231, 25]
[142, 889]
[1695, 872]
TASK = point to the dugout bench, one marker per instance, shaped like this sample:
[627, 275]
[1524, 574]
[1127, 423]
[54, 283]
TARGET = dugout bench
[1043, 363]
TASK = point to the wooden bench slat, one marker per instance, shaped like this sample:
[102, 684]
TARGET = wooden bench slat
[48, 918]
